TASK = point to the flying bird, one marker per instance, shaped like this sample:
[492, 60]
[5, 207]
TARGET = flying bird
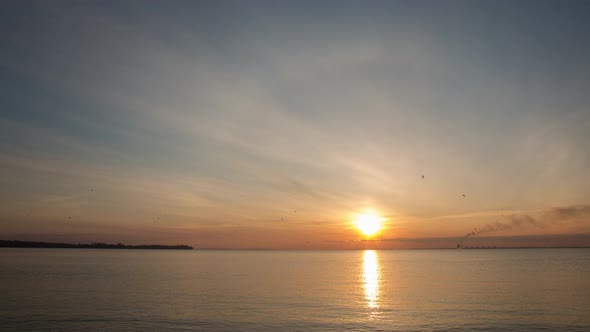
[423, 176]
[464, 195]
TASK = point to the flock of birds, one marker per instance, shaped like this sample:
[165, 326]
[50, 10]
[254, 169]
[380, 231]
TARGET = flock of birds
[423, 178]
[283, 219]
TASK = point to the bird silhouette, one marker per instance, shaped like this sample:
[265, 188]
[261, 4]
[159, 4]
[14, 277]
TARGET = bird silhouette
[423, 176]
[464, 195]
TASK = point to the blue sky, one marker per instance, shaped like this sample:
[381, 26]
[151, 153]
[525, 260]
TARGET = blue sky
[210, 121]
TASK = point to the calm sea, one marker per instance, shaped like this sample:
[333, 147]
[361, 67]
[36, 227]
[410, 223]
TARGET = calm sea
[411, 290]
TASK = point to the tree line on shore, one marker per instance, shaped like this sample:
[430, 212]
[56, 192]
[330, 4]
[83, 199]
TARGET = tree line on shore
[93, 245]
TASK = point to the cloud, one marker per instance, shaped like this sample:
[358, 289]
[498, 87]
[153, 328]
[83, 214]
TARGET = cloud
[233, 118]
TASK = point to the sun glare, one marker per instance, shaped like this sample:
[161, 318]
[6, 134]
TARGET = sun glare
[368, 223]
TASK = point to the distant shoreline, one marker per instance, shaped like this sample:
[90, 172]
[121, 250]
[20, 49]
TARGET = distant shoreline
[95, 245]
[100, 245]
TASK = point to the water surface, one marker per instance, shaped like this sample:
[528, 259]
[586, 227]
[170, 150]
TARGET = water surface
[410, 290]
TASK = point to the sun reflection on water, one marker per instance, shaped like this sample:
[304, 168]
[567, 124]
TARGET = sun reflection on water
[371, 278]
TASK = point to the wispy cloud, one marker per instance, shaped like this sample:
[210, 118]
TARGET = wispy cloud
[233, 116]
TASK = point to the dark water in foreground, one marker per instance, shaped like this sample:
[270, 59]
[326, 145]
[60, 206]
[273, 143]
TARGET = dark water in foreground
[414, 290]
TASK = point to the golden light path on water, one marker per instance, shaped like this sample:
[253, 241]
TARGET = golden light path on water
[371, 278]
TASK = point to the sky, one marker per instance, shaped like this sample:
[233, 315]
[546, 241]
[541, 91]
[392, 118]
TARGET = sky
[273, 124]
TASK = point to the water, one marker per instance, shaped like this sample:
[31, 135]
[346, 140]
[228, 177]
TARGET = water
[413, 290]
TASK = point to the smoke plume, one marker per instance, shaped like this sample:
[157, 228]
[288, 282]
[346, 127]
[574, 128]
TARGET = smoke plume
[514, 221]
[579, 213]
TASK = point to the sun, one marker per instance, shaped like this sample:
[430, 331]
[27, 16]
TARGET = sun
[368, 223]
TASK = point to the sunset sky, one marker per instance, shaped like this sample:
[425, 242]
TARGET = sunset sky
[272, 124]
